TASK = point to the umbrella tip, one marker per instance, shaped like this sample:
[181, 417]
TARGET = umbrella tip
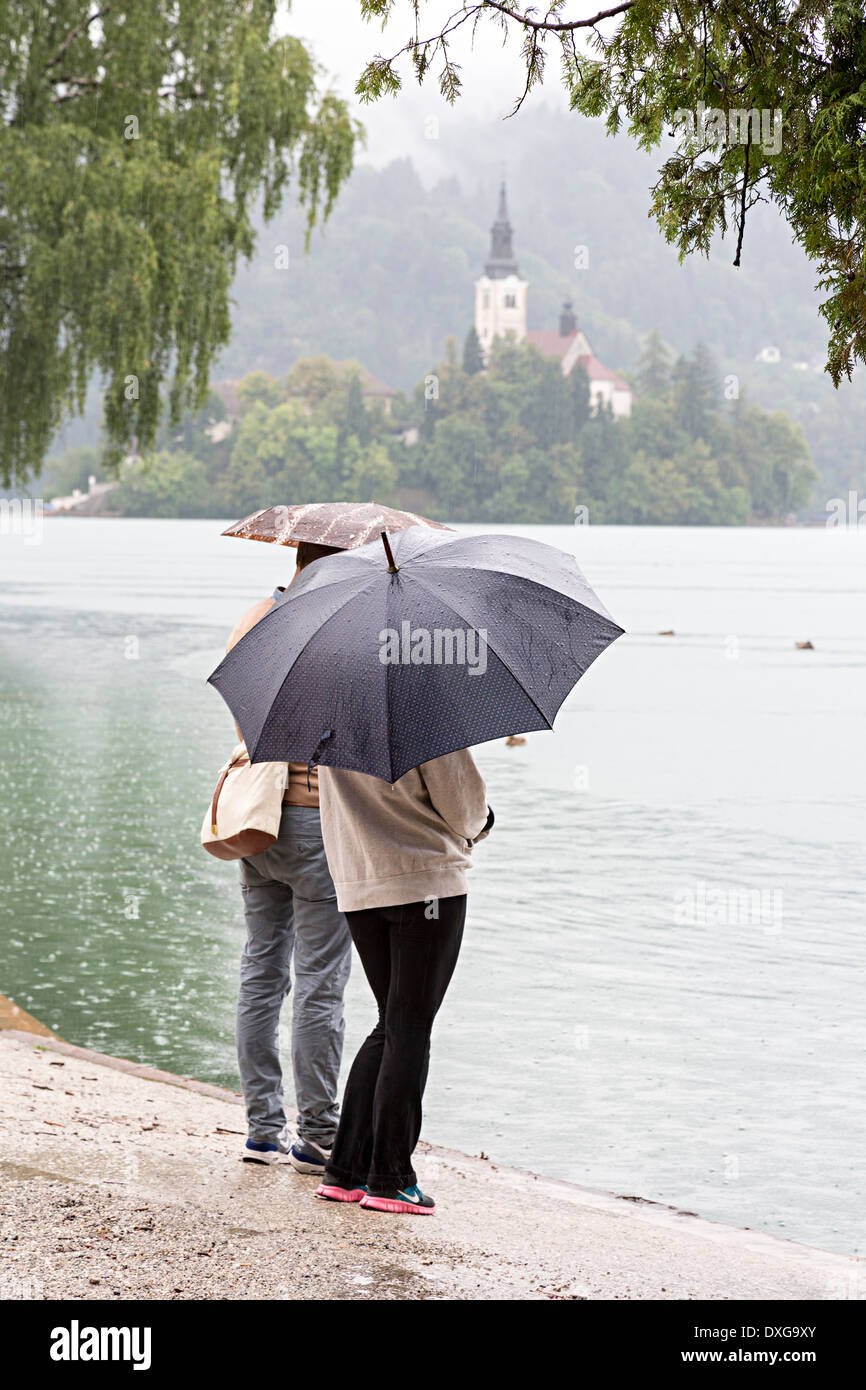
[392, 568]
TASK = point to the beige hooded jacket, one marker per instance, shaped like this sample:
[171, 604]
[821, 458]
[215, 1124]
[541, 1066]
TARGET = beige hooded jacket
[406, 842]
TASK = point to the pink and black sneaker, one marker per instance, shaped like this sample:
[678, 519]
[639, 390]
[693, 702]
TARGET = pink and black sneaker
[407, 1199]
[331, 1192]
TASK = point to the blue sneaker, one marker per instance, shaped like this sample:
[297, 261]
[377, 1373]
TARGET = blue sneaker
[306, 1156]
[279, 1151]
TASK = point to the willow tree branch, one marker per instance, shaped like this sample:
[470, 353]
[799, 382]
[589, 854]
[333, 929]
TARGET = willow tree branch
[74, 34]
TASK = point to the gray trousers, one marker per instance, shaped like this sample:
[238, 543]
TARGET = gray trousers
[292, 918]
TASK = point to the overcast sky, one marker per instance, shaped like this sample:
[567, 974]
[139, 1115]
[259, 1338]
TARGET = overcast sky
[493, 75]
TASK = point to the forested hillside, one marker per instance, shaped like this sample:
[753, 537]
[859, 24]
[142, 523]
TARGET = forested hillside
[390, 278]
[515, 442]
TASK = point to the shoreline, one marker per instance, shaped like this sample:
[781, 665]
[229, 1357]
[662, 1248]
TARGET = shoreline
[124, 1182]
[756, 523]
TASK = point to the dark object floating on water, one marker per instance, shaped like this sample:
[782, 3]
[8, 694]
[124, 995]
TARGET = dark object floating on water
[804, 646]
[668, 632]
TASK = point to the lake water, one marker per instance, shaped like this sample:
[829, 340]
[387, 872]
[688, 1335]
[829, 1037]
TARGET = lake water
[661, 989]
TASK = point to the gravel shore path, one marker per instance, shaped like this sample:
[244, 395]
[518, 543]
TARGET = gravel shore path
[120, 1182]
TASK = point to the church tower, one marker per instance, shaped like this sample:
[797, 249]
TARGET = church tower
[500, 294]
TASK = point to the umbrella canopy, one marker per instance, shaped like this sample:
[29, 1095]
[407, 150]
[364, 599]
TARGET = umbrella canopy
[345, 525]
[375, 669]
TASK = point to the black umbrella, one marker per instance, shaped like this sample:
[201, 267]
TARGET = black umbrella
[378, 661]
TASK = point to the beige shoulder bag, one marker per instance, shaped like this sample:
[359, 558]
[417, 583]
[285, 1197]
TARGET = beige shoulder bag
[244, 815]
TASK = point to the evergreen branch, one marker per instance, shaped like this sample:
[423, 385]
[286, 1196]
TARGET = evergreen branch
[742, 227]
[559, 26]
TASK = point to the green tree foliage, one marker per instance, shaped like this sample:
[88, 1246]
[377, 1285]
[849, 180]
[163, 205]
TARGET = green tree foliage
[134, 143]
[165, 484]
[367, 474]
[310, 437]
[514, 443]
[356, 420]
[259, 386]
[62, 474]
[509, 445]
[580, 404]
[473, 358]
[783, 83]
[695, 393]
[653, 371]
[548, 414]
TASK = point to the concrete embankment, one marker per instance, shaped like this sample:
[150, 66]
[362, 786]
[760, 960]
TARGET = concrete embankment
[123, 1182]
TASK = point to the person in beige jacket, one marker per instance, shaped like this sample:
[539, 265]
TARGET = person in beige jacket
[398, 856]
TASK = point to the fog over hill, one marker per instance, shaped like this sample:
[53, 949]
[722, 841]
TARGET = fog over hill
[392, 273]
[421, 245]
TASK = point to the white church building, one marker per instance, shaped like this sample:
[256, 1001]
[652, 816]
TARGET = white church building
[500, 309]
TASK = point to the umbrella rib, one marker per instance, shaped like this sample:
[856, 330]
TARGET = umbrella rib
[497, 654]
[335, 614]
[444, 562]
[278, 605]
[557, 594]
[386, 678]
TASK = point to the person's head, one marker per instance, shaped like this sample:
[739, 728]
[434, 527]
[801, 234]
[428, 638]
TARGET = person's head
[308, 552]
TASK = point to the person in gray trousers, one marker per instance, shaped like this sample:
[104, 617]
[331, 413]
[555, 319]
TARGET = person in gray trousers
[292, 918]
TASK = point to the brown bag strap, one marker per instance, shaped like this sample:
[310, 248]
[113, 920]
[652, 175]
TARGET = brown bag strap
[219, 786]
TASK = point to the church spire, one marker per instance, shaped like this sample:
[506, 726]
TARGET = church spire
[501, 261]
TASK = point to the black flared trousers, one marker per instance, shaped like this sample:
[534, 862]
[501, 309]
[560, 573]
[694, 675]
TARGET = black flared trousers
[408, 955]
